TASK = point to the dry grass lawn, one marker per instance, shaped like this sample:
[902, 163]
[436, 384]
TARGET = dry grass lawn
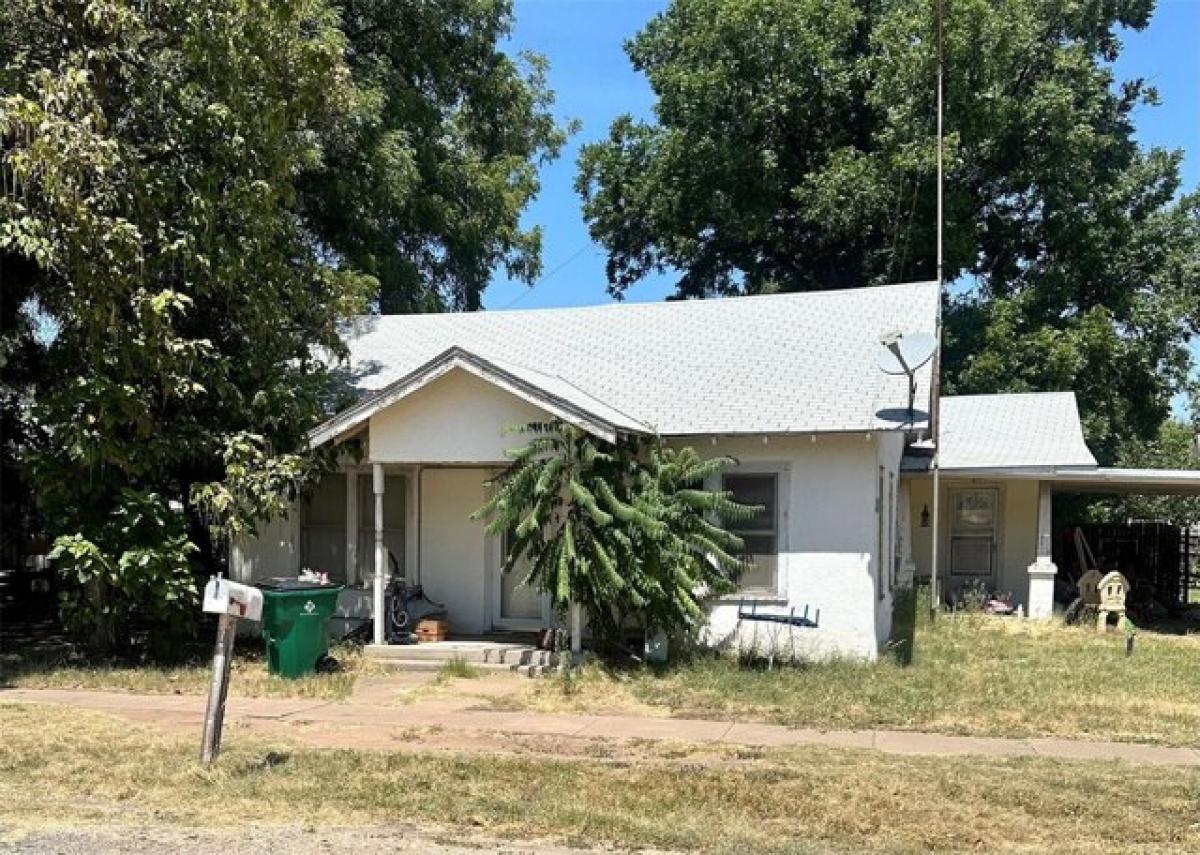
[969, 675]
[64, 768]
[249, 675]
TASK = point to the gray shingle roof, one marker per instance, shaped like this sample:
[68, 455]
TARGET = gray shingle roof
[1015, 431]
[788, 363]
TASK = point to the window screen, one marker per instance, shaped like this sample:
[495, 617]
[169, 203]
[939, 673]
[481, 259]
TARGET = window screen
[395, 494]
[323, 527]
[973, 532]
[760, 534]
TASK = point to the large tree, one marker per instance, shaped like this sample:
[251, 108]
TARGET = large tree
[793, 149]
[150, 233]
[426, 192]
[178, 181]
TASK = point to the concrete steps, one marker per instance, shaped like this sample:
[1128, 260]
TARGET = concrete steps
[485, 655]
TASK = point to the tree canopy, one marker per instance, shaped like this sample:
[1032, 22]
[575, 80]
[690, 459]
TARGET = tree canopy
[181, 185]
[424, 191]
[793, 149]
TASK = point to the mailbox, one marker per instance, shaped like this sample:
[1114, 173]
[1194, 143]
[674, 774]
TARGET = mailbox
[223, 597]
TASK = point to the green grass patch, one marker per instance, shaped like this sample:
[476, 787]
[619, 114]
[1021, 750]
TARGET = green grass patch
[781, 801]
[458, 669]
[965, 674]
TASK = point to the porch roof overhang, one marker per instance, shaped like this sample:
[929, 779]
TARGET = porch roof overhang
[1081, 479]
[556, 396]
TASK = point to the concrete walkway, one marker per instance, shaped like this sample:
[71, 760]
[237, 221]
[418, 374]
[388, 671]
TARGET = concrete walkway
[372, 720]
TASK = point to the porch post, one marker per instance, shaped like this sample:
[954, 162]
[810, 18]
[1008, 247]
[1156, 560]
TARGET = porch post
[380, 554]
[351, 527]
[1042, 571]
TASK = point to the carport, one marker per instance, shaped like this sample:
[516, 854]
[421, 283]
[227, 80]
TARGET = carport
[1003, 459]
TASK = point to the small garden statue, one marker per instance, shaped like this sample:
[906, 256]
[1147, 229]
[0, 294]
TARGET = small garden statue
[1089, 588]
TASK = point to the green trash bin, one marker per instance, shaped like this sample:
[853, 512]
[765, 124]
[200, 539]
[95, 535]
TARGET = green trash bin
[295, 624]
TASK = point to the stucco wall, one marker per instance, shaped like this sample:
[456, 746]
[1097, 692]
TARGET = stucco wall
[1017, 537]
[456, 419]
[828, 542]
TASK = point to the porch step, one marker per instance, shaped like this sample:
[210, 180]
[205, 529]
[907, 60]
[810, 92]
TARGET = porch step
[558, 661]
[536, 670]
[481, 653]
[435, 665]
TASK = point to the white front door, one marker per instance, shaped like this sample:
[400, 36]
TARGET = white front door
[515, 605]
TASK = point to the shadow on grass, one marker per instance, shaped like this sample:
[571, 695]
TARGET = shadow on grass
[1178, 621]
[41, 649]
[904, 624]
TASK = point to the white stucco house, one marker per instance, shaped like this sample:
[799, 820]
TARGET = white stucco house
[788, 385]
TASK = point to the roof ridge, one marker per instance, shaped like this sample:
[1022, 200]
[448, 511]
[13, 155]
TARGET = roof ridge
[1045, 393]
[659, 305]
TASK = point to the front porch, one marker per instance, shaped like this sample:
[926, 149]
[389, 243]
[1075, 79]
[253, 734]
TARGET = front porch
[400, 506]
[369, 524]
[996, 527]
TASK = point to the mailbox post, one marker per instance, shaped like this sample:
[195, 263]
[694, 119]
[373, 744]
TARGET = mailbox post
[231, 602]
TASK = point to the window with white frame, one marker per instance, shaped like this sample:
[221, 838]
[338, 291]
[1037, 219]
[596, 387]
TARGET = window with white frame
[759, 534]
[973, 526]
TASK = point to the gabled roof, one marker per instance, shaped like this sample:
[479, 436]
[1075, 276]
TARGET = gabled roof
[788, 363]
[1033, 431]
[552, 394]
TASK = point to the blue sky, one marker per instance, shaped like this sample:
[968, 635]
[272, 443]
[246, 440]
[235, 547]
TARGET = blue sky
[594, 83]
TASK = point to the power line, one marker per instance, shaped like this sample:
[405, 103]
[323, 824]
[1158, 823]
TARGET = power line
[558, 269]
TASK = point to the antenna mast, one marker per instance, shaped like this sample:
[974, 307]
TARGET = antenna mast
[935, 380]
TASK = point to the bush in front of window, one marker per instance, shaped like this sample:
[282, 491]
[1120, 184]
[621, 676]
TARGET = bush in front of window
[625, 529]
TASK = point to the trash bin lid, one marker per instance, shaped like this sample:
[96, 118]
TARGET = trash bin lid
[283, 583]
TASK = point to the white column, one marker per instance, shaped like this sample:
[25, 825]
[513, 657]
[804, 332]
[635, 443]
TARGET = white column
[351, 527]
[380, 551]
[575, 617]
[1042, 571]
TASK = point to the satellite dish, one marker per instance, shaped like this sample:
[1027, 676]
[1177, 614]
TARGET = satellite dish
[903, 354]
